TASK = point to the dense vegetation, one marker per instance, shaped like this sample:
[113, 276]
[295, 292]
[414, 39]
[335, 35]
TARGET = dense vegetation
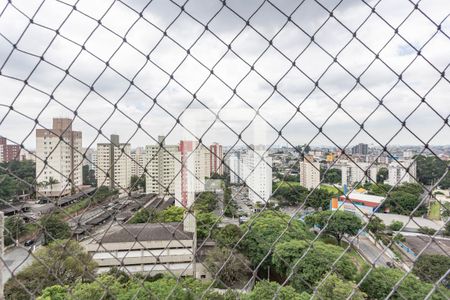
[21, 183]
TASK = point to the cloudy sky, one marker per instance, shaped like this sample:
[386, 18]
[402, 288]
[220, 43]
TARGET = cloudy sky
[145, 61]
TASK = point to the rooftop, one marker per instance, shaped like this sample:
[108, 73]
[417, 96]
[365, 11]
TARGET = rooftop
[147, 232]
[365, 197]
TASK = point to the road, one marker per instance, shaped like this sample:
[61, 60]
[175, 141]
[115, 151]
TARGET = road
[368, 250]
[16, 258]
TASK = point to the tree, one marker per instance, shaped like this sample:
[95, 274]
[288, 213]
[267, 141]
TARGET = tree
[310, 267]
[396, 226]
[14, 228]
[54, 228]
[381, 281]
[336, 223]
[228, 236]
[137, 182]
[332, 176]
[63, 261]
[206, 223]
[430, 169]
[227, 265]
[382, 175]
[51, 182]
[335, 288]
[205, 202]
[426, 230]
[89, 176]
[171, 214]
[430, 268]
[106, 286]
[376, 226]
[404, 203]
[267, 290]
[145, 215]
[266, 228]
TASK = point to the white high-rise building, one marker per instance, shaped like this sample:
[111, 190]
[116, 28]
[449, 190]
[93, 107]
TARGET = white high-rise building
[309, 172]
[114, 164]
[398, 173]
[358, 173]
[234, 166]
[196, 167]
[256, 170]
[163, 164]
[63, 172]
[137, 162]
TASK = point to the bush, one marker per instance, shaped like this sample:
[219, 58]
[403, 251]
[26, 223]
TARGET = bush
[396, 226]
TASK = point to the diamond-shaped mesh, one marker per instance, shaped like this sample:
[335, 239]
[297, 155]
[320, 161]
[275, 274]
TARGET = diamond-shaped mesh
[207, 149]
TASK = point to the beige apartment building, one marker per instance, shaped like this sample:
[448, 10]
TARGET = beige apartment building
[309, 172]
[163, 164]
[113, 164]
[137, 162]
[61, 148]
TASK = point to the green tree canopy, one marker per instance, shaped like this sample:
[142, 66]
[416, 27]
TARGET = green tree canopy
[430, 268]
[14, 228]
[54, 228]
[229, 271]
[381, 281]
[228, 236]
[62, 261]
[312, 266]
[264, 229]
[334, 288]
[268, 290]
[206, 223]
[205, 202]
[336, 223]
[404, 203]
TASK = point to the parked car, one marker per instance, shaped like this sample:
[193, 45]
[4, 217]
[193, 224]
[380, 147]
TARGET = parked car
[28, 243]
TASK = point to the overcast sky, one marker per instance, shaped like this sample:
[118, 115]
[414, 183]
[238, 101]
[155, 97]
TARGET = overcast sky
[243, 77]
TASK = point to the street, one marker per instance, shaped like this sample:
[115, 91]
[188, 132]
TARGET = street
[368, 250]
[16, 258]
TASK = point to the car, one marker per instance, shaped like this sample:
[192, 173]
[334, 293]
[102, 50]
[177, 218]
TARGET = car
[28, 243]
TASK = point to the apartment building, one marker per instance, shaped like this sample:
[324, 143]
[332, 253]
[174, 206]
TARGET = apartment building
[234, 166]
[195, 169]
[255, 169]
[61, 148]
[398, 173]
[113, 164]
[137, 162]
[8, 152]
[309, 172]
[216, 159]
[357, 172]
[163, 164]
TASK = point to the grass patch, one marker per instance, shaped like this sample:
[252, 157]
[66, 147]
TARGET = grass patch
[286, 184]
[434, 212]
[331, 189]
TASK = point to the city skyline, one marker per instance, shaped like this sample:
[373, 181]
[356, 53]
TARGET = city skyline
[301, 100]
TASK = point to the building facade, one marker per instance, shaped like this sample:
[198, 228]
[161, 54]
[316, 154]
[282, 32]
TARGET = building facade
[255, 170]
[61, 148]
[113, 164]
[163, 164]
[137, 162]
[216, 159]
[195, 169]
[234, 166]
[358, 172]
[8, 152]
[309, 172]
[398, 173]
